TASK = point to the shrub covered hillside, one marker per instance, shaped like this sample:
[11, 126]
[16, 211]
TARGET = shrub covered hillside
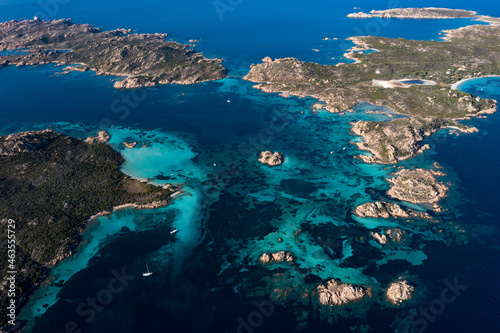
[50, 185]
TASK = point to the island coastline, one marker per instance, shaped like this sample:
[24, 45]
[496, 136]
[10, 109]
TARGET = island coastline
[85, 169]
[456, 85]
[140, 60]
[427, 13]
[431, 104]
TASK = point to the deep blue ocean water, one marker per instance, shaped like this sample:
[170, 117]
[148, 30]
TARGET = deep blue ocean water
[206, 276]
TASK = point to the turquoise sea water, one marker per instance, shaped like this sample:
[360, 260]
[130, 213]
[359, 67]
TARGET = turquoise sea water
[207, 275]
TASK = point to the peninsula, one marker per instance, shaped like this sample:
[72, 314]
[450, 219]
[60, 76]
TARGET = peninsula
[143, 59]
[52, 184]
[417, 13]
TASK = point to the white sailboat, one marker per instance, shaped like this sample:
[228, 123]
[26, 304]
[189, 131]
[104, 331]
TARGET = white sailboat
[148, 273]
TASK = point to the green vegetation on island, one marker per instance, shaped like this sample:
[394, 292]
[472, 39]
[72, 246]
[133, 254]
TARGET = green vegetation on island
[387, 78]
[51, 185]
[344, 86]
[410, 77]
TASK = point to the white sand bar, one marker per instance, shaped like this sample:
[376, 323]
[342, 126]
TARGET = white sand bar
[404, 83]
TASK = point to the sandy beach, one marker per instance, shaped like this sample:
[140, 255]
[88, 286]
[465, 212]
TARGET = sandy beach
[456, 85]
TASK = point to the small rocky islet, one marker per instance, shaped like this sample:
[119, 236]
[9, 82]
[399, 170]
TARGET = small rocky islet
[400, 291]
[383, 210]
[271, 159]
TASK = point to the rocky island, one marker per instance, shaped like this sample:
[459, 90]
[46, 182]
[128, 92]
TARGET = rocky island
[271, 159]
[417, 186]
[336, 293]
[281, 256]
[51, 185]
[143, 59]
[382, 209]
[467, 52]
[130, 145]
[394, 141]
[416, 13]
[399, 291]
[395, 236]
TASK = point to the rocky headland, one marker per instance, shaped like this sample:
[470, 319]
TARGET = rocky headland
[271, 159]
[416, 13]
[143, 59]
[400, 139]
[101, 137]
[396, 140]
